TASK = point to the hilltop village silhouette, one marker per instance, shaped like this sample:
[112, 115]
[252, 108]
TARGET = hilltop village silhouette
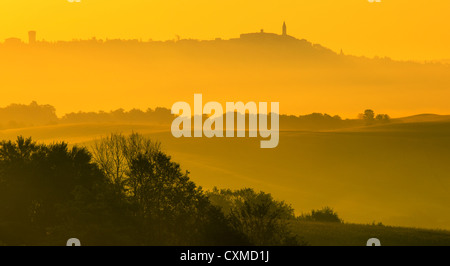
[257, 36]
[284, 42]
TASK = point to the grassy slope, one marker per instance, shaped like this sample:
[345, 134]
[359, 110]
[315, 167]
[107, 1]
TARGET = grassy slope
[396, 174]
[398, 177]
[331, 234]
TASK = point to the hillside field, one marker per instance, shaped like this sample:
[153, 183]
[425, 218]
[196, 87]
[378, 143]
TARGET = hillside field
[397, 174]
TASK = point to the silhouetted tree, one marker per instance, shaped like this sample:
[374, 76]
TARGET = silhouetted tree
[383, 118]
[169, 208]
[257, 215]
[36, 181]
[369, 117]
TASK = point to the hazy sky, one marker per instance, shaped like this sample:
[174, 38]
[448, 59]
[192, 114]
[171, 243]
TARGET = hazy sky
[402, 29]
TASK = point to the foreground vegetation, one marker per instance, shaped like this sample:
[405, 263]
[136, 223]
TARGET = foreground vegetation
[126, 191]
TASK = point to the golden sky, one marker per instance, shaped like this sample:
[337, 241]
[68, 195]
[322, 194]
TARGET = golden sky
[401, 29]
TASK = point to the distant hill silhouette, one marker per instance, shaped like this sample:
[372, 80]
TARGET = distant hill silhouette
[303, 76]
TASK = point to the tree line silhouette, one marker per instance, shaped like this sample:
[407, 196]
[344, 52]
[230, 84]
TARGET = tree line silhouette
[125, 191]
[19, 116]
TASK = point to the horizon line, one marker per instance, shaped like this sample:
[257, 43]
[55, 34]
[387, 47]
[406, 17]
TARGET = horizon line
[19, 41]
[35, 103]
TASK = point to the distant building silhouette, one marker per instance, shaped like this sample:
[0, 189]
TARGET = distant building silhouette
[267, 36]
[32, 37]
[13, 41]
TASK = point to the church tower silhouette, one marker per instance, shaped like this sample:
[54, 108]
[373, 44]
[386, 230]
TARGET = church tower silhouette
[284, 29]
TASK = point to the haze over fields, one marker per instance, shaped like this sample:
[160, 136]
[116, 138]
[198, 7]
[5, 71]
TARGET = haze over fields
[393, 173]
[261, 67]
[364, 146]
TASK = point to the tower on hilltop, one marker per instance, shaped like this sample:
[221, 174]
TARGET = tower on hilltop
[32, 37]
[284, 29]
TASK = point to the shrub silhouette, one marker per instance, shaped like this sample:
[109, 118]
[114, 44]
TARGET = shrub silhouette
[262, 219]
[369, 117]
[325, 214]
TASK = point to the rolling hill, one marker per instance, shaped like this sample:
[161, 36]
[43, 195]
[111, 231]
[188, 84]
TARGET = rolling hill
[396, 173]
